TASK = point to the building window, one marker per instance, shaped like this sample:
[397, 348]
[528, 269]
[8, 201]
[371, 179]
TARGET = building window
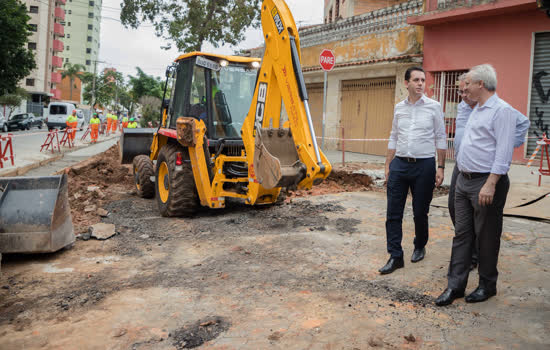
[68, 24]
[68, 48]
[32, 46]
[88, 62]
[91, 3]
[90, 26]
[68, 36]
[88, 50]
[330, 16]
[33, 9]
[29, 82]
[70, 12]
[90, 15]
[90, 39]
[337, 11]
[67, 59]
[33, 27]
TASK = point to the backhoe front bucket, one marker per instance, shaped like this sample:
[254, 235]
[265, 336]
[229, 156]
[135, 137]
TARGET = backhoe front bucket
[35, 216]
[276, 161]
[134, 142]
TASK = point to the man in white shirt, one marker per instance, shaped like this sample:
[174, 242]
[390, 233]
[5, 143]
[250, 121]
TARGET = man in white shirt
[418, 132]
[483, 160]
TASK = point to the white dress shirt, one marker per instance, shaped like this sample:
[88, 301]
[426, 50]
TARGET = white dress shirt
[418, 129]
[488, 143]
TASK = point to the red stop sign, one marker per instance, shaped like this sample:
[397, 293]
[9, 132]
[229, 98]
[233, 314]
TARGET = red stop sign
[327, 60]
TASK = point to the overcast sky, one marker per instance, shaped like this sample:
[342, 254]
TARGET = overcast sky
[125, 49]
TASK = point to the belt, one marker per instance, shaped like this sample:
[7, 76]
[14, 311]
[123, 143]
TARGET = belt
[471, 176]
[408, 159]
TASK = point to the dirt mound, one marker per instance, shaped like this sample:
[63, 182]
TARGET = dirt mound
[95, 182]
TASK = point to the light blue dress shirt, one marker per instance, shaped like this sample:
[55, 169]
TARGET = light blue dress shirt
[463, 113]
[489, 137]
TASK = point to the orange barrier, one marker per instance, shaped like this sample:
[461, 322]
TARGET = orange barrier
[86, 133]
[4, 149]
[52, 141]
[66, 138]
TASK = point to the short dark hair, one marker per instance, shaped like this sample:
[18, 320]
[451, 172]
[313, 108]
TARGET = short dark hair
[412, 69]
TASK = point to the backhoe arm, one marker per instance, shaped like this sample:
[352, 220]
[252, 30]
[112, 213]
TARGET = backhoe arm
[283, 154]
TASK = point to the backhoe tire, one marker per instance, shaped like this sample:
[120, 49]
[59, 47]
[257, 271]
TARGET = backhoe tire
[175, 189]
[143, 171]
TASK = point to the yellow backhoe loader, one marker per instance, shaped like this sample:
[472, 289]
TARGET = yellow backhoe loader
[233, 126]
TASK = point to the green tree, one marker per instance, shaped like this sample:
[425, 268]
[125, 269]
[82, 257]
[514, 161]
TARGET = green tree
[73, 72]
[145, 85]
[107, 87]
[150, 110]
[190, 23]
[13, 100]
[16, 61]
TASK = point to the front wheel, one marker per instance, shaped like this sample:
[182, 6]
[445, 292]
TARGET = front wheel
[143, 171]
[175, 188]
[5, 128]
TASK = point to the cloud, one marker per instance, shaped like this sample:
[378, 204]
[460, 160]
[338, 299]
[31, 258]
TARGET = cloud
[125, 49]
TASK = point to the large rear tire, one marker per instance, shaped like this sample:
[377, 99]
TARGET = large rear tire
[175, 189]
[143, 171]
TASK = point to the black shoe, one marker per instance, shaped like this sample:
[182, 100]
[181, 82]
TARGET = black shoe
[392, 265]
[418, 255]
[447, 297]
[480, 294]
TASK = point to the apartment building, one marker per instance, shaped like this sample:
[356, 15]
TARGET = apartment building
[47, 30]
[341, 9]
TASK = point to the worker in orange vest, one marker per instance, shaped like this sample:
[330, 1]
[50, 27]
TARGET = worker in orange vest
[125, 121]
[72, 122]
[94, 126]
[114, 123]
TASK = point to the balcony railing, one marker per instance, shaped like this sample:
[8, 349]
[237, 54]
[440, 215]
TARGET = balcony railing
[59, 13]
[56, 93]
[377, 21]
[58, 29]
[57, 45]
[56, 78]
[57, 61]
[62, 2]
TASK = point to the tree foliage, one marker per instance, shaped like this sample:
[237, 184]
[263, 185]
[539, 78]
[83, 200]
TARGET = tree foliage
[13, 100]
[191, 23]
[108, 85]
[145, 85]
[16, 61]
[73, 72]
[150, 110]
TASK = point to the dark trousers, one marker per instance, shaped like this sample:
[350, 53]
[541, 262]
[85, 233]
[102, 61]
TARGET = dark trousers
[485, 223]
[451, 205]
[419, 177]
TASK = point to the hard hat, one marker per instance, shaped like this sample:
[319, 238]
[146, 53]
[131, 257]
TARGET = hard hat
[74, 110]
[95, 113]
[132, 119]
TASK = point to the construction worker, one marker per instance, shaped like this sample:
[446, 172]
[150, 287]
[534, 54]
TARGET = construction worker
[94, 126]
[72, 122]
[114, 123]
[109, 122]
[132, 124]
[125, 121]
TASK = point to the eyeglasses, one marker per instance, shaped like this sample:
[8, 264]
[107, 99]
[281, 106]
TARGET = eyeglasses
[460, 92]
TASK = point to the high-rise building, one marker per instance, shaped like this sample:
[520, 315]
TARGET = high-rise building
[82, 28]
[46, 25]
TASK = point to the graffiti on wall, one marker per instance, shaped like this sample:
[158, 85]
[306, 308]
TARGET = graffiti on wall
[544, 97]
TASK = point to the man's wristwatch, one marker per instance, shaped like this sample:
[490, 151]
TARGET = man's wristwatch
[441, 166]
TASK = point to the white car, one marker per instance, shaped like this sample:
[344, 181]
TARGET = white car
[3, 123]
[58, 113]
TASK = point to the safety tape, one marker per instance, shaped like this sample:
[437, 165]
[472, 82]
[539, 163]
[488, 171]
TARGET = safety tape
[533, 156]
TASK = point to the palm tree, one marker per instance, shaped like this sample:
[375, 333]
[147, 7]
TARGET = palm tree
[72, 71]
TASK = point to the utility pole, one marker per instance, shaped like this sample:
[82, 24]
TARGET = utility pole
[93, 83]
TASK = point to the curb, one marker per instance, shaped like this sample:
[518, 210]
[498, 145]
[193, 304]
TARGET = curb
[20, 171]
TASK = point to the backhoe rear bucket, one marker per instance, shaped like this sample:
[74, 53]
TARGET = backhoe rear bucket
[276, 161]
[134, 142]
[35, 216]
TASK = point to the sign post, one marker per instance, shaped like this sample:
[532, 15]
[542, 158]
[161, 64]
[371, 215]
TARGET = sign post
[327, 61]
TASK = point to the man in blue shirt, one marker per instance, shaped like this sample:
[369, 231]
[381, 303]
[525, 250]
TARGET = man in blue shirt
[484, 158]
[465, 108]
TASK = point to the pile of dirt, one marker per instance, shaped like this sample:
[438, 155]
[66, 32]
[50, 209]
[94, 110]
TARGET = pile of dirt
[339, 180]
[94, 183]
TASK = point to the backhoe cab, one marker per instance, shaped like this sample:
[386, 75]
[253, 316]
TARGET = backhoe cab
[224, 131]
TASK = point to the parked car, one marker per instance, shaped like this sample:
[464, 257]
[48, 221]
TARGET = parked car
[58, 113]
[3, 124]
[24, 121]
